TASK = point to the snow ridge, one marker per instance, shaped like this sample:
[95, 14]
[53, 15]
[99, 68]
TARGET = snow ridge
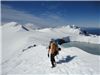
[25, 52]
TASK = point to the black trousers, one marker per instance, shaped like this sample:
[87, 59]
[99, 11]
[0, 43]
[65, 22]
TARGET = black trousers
[52, 58]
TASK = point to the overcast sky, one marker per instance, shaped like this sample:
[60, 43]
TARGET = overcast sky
[46, 13]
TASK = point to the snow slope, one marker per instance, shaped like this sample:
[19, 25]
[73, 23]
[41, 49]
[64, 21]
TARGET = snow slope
[30, 26]
[72, 33]
[20, 56]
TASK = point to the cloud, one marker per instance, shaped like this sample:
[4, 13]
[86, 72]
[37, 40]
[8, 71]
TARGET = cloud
[54, 17]
[10, 14]
[51, 16]
[44, 19]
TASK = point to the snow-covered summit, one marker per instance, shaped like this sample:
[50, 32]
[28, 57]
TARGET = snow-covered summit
[73, 31]
[10, 24]
[14, 26]
[19, 56]
[11, 27]
[69, 29]
[31, 26]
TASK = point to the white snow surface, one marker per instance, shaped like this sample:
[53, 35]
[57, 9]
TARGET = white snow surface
[31, 27]
[19, 56]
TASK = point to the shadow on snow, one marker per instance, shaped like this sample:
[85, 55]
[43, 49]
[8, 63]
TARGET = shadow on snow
[66, 59]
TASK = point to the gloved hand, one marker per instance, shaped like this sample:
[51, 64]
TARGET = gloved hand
[48, 54]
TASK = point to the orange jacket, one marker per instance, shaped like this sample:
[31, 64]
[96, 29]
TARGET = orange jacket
[53, 48]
